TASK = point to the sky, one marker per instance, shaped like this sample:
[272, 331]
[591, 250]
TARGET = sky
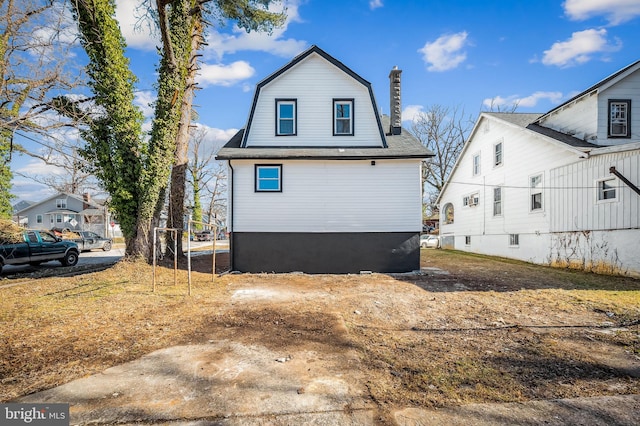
[465, 55]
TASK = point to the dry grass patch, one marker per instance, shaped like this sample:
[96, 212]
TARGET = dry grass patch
[487, 330]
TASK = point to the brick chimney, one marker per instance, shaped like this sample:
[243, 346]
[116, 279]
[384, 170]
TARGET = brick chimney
[86, 199]
[394, 99]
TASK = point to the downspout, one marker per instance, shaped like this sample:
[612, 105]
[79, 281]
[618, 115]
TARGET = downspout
[624, 179]
[230, 224]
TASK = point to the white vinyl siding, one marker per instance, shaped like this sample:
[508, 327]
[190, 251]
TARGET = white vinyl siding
[627, 89]
[331, 196]
[578, 207]
[315, 83]
[490, 233]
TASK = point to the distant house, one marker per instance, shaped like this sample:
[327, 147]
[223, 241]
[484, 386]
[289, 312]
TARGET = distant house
[67, 212]
[319, 181]
[554, 188]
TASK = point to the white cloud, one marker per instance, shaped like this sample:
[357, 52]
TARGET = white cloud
[144, 99]
[580, 48]
[374, 4]
[411, 112]
[136, 30]
[524, 102]
[446, 53]
[274, 43]
[224, 75]
[615, 11]
[216, 137]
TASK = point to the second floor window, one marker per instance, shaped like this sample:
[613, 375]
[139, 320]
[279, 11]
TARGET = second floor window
[343, 117]
[286, 117]
[619, 119]
[61, 203]
[535, 191]
[497, 154]
[476, 164]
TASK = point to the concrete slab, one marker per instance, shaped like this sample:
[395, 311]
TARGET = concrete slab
[224, 383]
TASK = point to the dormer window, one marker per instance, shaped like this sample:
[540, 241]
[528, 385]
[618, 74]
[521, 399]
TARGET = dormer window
[619, 118]
[343, 117]
[286, 110]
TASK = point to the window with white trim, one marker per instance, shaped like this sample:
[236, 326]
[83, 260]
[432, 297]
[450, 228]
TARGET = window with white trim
[268, 178]
[39, 218]
[497, 154]
[286, 111]
[535, 193]
[514, 240]
[467, 240]
[476, 164]
[607, 189]
[619, 118]
[61, 203]
[58, 218]
[343, 117]
[497, 201]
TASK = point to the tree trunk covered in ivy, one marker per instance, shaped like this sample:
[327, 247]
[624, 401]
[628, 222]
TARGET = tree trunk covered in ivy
[183, 14]
[138, 189]
[114, 139]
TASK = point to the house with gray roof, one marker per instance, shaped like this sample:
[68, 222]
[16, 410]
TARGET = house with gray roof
[65, 211]
[557, 188]
[319, 180]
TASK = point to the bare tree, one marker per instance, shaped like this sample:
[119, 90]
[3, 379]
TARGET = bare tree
[34, 42]
[68, 168]
[207, 177]
[443, 130]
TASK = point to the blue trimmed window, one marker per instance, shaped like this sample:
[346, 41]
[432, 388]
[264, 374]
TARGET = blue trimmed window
[343, 117]
[268, 178]
[286, 111]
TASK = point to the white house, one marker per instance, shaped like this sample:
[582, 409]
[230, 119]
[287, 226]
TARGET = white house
[319, 181]
[555, 188]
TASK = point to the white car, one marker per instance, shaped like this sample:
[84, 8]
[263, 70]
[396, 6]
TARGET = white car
[429, 241]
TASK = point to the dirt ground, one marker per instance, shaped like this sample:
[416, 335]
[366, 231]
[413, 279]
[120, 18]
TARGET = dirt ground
[466, 329]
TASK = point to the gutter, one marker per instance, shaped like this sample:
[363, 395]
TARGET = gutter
[230, 222]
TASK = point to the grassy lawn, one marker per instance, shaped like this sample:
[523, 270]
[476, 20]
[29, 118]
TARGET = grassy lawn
[470, 329]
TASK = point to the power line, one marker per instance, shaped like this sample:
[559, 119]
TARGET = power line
[537, 188]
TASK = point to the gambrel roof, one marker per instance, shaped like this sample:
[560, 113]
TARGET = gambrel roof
[312, 50]
[388, 146]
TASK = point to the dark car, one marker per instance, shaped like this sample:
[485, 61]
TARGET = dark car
[90, 240]
[204, 236]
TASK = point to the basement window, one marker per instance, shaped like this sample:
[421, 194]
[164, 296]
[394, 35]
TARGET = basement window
[467, 240]
[514, 240]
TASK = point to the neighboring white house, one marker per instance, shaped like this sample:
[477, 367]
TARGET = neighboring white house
[555, 188]
[319, 182]
[66, 211]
